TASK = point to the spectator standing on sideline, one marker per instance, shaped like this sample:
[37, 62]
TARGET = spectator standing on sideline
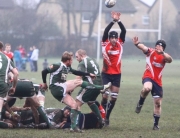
[5, 65]
[35, 57]
[156, 59]
[22, 51]
[17, 59]
[112, 50]
[8, 52]
[29, 59]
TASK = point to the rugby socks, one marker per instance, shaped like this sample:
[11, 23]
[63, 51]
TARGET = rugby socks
[95, 109]
[77, 120]
[3, 124]
[44, 116]
[110, 107]
[73, 116]
[156, 119]
[104, 103]
[141, 100]
[88, 85]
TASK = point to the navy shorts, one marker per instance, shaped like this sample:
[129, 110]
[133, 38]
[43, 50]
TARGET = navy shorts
[115, 79]
[157, 91]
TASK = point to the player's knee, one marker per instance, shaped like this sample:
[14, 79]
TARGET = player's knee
[114, 96]
[91, 103]
[157, 104]
[146, 89]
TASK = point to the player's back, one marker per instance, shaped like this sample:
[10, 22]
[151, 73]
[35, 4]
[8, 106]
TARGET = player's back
[92, 66]
[4, 67]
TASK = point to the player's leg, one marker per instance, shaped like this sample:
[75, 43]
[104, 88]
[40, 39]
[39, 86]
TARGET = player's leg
[157, 112]
[34, 101]
[41, 97]
[72, 84]
[157, 94]
[68, 100]
[3, 92]
[110, 105]
[113, 94]
[2, 124]
[147, 87]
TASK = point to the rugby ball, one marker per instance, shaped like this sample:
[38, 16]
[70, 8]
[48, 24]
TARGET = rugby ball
[110, 3]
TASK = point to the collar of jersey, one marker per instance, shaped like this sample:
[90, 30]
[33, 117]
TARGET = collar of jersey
[63, 64]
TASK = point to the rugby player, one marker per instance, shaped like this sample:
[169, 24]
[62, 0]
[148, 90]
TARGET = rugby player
[156, 59]
[112, 49]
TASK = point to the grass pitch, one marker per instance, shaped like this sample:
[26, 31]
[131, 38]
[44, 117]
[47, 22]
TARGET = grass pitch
[124, 122]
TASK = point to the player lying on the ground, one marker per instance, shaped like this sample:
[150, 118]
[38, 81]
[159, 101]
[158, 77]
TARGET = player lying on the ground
[88, 120]
[25, 89]
[26, 119]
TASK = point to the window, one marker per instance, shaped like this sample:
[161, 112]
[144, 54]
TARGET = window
[145, 20]
[86, 17]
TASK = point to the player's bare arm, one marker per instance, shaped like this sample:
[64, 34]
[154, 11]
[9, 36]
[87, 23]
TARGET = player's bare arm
[139, 45]
[14, 82]
[167, 57]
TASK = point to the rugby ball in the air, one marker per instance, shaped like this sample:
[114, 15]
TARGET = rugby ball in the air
[110, 3]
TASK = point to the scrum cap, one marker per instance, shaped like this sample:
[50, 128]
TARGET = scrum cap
[161, 43]
[113, 34]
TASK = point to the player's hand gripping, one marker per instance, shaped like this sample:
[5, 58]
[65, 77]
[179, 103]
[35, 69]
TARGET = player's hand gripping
[44, 86]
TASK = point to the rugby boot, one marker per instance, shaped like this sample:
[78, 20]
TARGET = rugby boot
[156, 127]
[106, 123]
[42, 126]
[101, 124]
[138, 108]
[107, 86]
[76, 130]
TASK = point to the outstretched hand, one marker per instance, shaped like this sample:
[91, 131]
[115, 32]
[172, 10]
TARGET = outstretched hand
[135, 40]
[115, 15]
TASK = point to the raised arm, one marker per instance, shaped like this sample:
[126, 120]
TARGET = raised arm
[106, 31]
[115, 17]
[139, 45]
[123, 31]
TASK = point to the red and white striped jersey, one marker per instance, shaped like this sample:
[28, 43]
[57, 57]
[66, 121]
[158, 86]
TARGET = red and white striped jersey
[112, 57]
[154, 66]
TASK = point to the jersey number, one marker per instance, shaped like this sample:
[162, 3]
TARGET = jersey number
[95, 67]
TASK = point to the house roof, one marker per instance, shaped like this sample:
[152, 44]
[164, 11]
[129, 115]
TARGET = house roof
[176, 4]
[123, 6]
[6, 4]
[148, 3]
